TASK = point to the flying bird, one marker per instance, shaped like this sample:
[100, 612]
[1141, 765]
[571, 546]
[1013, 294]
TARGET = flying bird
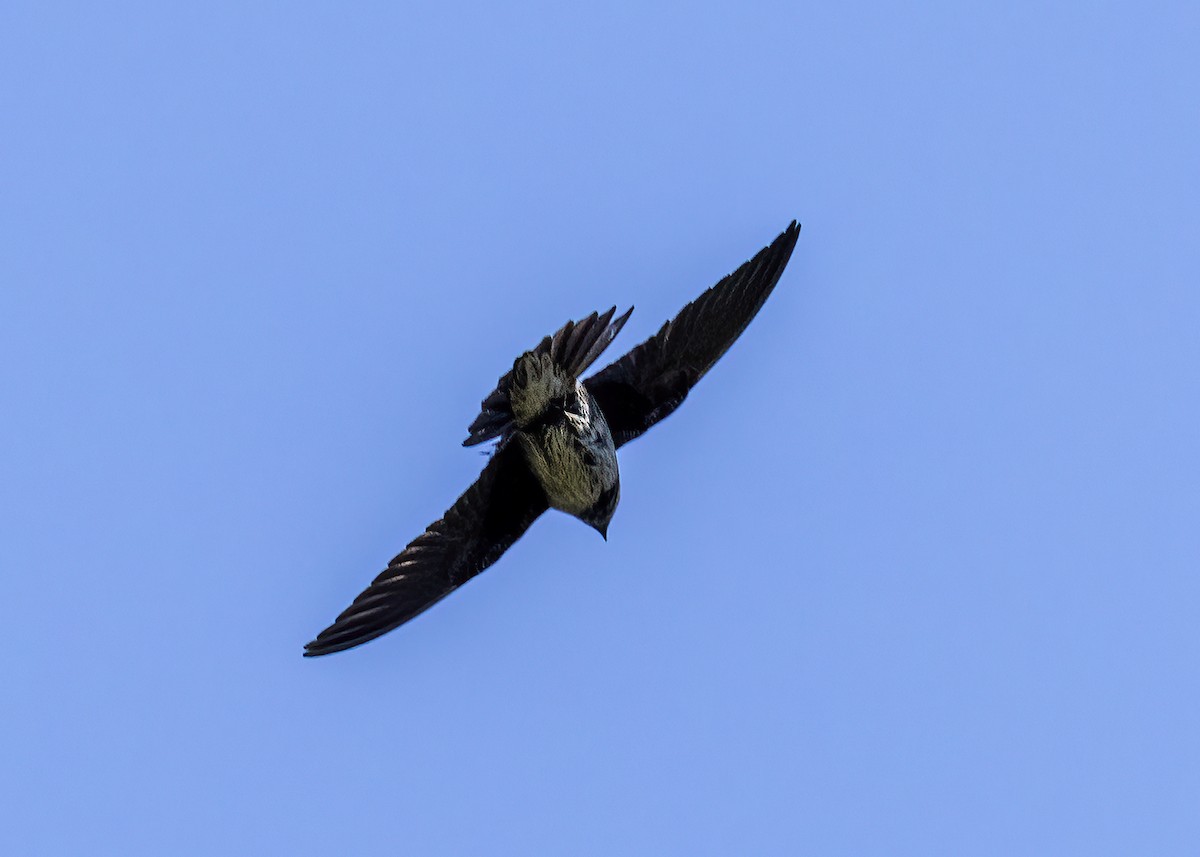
[557, 440]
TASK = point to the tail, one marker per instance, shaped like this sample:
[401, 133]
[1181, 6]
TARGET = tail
[573, 348]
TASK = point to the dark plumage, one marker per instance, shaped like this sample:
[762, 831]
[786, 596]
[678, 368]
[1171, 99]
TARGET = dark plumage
[557, 439]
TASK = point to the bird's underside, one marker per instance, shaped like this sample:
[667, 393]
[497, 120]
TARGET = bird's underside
[631, 395]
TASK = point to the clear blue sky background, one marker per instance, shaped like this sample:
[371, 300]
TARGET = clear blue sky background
[914, 571]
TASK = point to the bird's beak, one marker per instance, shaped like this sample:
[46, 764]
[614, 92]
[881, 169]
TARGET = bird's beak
[603, 531]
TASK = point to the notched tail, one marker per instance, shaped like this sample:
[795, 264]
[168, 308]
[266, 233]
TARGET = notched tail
[572, 348]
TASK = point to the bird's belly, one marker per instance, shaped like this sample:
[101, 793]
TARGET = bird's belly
[574, 466]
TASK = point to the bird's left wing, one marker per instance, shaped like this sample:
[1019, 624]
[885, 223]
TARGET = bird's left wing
[481, 525]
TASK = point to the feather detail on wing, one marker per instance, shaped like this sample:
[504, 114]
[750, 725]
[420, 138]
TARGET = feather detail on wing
[483, 523]
[652, 380]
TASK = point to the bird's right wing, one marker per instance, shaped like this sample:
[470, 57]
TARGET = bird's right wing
[653, 379]
[481, 525]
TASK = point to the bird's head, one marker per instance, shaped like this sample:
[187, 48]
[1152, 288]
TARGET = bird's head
[600, 514]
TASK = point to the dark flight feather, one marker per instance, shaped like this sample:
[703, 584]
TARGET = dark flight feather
[653, 379]
[574, 347]
[481, 525]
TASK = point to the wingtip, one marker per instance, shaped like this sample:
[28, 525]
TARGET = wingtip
[317, 649]
[786, 241]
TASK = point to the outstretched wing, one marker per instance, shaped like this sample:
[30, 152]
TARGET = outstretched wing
[653, 379]
[574, 347]
[481, 525]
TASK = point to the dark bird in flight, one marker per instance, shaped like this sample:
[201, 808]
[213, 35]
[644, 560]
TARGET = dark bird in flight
[557, 442]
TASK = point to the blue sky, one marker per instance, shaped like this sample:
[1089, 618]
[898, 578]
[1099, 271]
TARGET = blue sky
[913, 571]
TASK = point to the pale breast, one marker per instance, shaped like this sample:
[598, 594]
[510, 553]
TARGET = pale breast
[573, 457]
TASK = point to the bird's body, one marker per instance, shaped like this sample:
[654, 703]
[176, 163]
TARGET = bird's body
[557, 438]
[570, 450]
